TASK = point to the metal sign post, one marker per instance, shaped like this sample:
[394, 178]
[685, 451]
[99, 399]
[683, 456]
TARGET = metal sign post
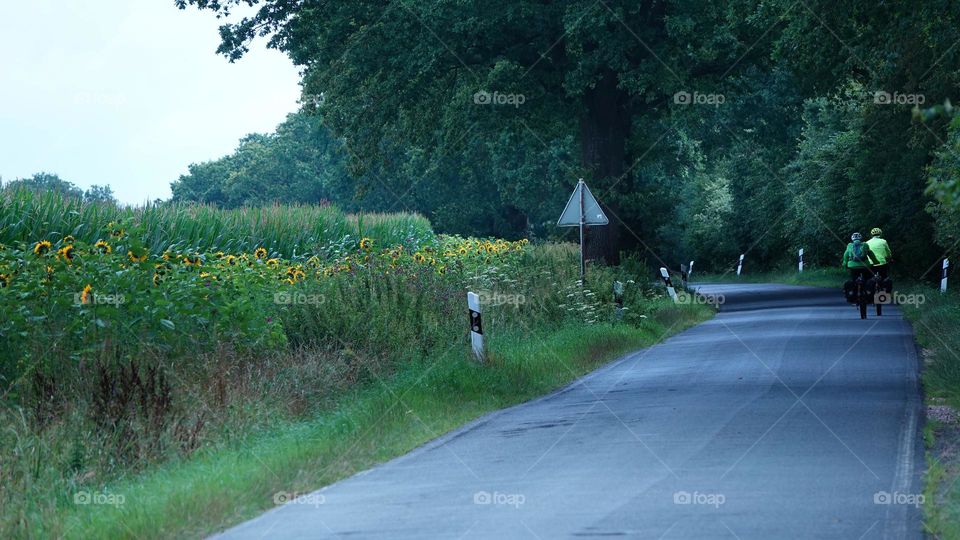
[583, 264]
[581, 210]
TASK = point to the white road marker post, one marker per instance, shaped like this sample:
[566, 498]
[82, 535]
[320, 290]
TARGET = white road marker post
[740, 264]
[800, 264]
[943, 275]
[476, 326]
[666, 281]
[689, 270]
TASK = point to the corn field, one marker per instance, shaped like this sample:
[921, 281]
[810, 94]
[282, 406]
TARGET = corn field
[289, 231]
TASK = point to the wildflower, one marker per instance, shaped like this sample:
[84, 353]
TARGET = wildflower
[66, 253]
[260, 253]
[103, 247]
[366, 244]
[41, 248]
[85, 295]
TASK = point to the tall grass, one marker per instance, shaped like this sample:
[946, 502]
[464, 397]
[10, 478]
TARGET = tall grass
[285, 230]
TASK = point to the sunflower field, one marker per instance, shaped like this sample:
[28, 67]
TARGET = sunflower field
[125, 346]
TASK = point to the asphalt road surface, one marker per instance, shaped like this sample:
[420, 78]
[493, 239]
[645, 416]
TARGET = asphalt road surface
[786, 416]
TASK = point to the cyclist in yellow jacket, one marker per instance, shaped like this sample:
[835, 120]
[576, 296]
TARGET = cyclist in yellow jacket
[881, 252]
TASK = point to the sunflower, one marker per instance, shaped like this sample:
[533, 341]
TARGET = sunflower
[138, 259]
[66, 252]
[85, 295]
[69, 239]
[41, 248]
[117, 233]
[366, 244]
[221, 254]
[462, 250]
[157, 278]
[296, 273]
[418, 257]
[231, 260]
[313, 262]
[167, 255]
[103, 247]
[4, 280]
[191, 260]
[208, 275]
[273, 263]
[260, 253]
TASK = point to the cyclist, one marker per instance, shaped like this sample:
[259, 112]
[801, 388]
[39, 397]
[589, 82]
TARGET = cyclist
[881, 251]
[858, 258]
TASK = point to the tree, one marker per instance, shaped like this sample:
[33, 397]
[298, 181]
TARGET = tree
[100, 194]
[46, 182]
[419, 74]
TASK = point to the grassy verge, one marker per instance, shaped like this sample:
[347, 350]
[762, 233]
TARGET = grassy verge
[814, 277]
[420, 401]
[935, 323]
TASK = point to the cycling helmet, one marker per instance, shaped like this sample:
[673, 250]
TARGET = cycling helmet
[856, 236]
[876, 231]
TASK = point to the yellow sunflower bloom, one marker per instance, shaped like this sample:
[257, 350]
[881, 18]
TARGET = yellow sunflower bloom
[103, 247]
[66, 253]
[41, 248]
[366, 244]
[86, 294]
[138, 258]
[260, 253]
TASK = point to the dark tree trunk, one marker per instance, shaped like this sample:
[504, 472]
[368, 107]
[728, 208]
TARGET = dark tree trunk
[604, 128]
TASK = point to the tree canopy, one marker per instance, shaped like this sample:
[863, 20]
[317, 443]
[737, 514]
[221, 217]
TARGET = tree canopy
[707, 129]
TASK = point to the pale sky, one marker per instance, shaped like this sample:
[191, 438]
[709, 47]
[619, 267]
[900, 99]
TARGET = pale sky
[127, 92]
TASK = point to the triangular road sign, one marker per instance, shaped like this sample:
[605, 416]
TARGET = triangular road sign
[592, 214]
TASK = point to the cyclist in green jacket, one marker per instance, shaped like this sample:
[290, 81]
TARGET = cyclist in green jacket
[881, 250]
[858, 258]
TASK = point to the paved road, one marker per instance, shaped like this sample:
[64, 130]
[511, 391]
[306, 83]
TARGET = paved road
[786, 416]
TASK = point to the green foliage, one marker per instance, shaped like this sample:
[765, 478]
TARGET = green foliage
[287, 231]
[799, 152]
[204, 350]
